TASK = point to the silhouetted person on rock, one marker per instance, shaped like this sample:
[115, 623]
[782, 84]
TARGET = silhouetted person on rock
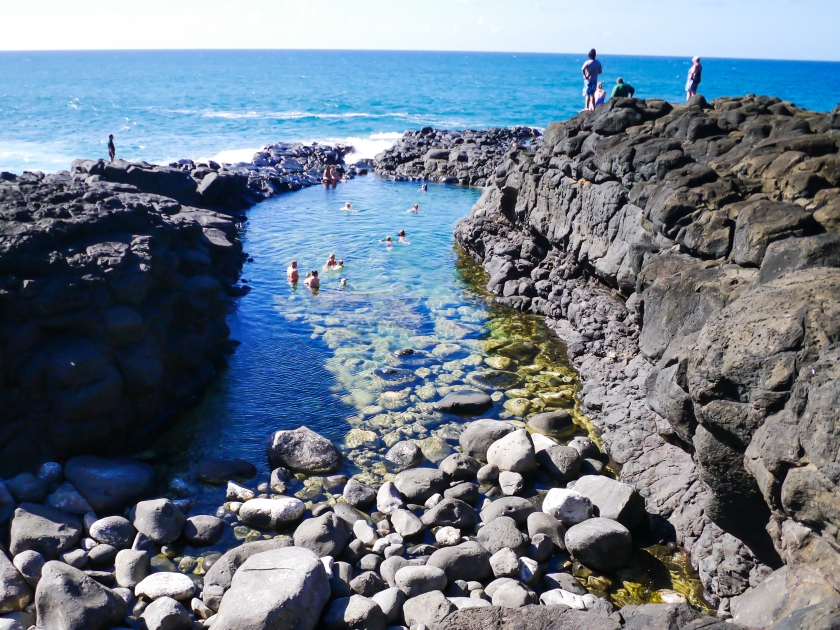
[622, 89]
[591, 69]
[112, 150]
[695, 73]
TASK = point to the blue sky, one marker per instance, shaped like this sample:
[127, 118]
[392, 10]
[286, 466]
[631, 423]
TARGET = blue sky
[766, 29]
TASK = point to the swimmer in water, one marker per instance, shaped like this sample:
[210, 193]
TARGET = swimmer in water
[340, 264]
[312, 280]
[343, 282]
[331, 263]
[388, 242]
[424, 187]
[348, 208]
[292, 272]
[415, 208]
[403, 240]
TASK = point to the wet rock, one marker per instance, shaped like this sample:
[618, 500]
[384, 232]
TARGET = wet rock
[203, 530]
[354, 612]
[359, 495]
[570, 507]
[175, 585]
[271, 514]
[279, 480]
[419, 484]
[414, 581]
[131, 567]
[166, 614]
[428, 609]
[481, 434]
[109, 485]
[325, 535]
[303, 450]
[515, 507]
[554, 423]
[279, 588]
[451, 512]
[236, 492]
[113, 530]
[48, 531]
[158, 519]
[467, 561]
[66, 598]
[27, 488]
[600, 543]
[403, 455]
[501, 533]
[494, 380]
[460, 467]
[465, 403]
[218, 472]
[613, 499]
[513, 452]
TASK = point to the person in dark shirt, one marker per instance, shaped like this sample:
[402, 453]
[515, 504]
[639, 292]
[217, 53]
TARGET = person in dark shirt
[112, 150]
[622, 89]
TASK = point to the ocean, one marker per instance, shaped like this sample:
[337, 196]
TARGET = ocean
[166, 105]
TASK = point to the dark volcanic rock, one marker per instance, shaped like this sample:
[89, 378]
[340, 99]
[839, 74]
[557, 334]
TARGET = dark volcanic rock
[67, 598]
[303, 450]
[219, 471]
[48, 531]
[109, 485]
[532, 617]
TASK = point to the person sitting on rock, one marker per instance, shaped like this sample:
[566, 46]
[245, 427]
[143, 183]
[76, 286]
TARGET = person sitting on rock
[695, 73]
[112, 150]
[600, 95]
[331, 262]
[292, 272]
[622, 89]
[591, 69]
[415, 208]
[312, 280]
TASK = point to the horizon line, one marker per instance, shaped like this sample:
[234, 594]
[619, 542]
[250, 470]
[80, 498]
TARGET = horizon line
[402, 50]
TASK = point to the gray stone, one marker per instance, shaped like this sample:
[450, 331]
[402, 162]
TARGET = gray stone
[67, 499]
[613, 499]
[513, 452]
[464, 491]
[460, 467]
[403, 455]
[359, 495]
[29, 565]
[342, 575]
[429, 609]
[545, 524]
[27, 488]
[102, 556]
[367, 583]
[563, 581]
[238, 492]
[131, 567]
[488, 475]
[530, 571]
[516, 508]
[271, 514]
[553, 423]
[561, 462]
[464, 403]
[303, 450]
[17, 621]
[48, 531]
[453, 513]
[365, 532]
[353, 612]
[570, 507]
[419, 484]
[109, 485]
[388, 498]
[501, 533]
[511, 483]
[219, 577]
[15, 592]
[166, 614]
[391, 602]
[601, 544]
[388, 569]
[505, 563]
[51, 472]
[67, 599]
[513, 595]
[586, 447]
[75, 558]
[532, 617]
[175, 585]
[203, 530]
[326, 535]
[113, 530]
[282, 588]
[479, 435]
[415, 581]
[159, 520]
[467, 561]
[406, 524]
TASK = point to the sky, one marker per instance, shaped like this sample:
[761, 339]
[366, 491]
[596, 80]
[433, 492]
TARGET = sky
[762, 29]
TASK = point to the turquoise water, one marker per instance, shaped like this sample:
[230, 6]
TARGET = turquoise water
[165, 105]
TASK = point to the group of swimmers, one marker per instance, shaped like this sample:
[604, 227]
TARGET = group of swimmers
[595, 94]
[312, 281]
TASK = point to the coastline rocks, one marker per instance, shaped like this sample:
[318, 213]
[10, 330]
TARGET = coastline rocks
[388, 498]
[131, 567]
[358, 494]
[348, 613]
[67, 599]
[464, 403]
[428, 609]
[612, 499]
[48, 531]
[515, 507]
[116, 531]
[514, 452]
[552, 423]
[406, 524]
[563, 463]
[303, 450]
[451, 513]
[159, 520]
[109, 485]
[271, 514]
[218, 578]
[467, 561]
[29, 565]
[15, 592]
[325, 535]
[203, 530]
[479, 435]
[533, 617]
[600, 543]
[403, 455]
[27, 488]
[282, 588]
[569, 507]
[175, 585]
[414, 581]
[166, 614]
[218, 472]
[501, 533]
[419, 484]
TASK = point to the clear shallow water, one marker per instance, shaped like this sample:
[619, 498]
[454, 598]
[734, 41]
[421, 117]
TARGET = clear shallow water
[166, 105]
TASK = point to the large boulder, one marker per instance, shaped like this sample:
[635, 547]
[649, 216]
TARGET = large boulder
[464, 403]
[467, 561]
[276, 590]
[532, 617]
[218, 472]
[325, 535]
[158, 519]
[418, 484]
[67, 599]
[303, 450]
[479, 435]
[601, 544]
[48, 531]
[513, 452]
[428, 609]
[613, 499]
[110, 485]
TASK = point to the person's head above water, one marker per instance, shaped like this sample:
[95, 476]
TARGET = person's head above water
[416, 206]
[387, 239]
[344, 282]
[402, 233]
[341, 262]
[600, 85]
[294, 264]
[332, 256]
[346, 204]
[592, 54]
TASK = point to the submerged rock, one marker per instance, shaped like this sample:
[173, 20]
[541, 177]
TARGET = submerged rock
[465, 403]
[303, 450]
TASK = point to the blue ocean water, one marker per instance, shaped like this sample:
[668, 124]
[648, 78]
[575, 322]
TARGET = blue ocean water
[165, 105]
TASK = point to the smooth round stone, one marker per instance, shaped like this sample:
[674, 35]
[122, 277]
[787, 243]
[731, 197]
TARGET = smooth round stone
[516, 508]
[388, 498]
[203, 530]
[435, 449]
[493, 380]
[175, 585]
[29, 565]
[408, 358]
[448, 536]
[488, 475]
[586, 447]
[460, 467]
[600, 544]
[465, 403]
[464, 491]
[541, 443]
[513, 595]
[554, 423]
[271, 513]
[113, 530]
[131, 567]
[236, 492]
[419, 484]
[159, 519]
[406, 523]
[567, 506]
[102, 556]
[511, 483]
[353, 612]
[403, 455]
[513, 452]
[364, 532]
[505, 563]
[561, 462]
[414, 581]
[393, 377]
[501, 533]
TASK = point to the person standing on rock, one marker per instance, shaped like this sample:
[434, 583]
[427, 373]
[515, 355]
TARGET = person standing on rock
[695, 73]
[112, 150]
[622, 89]
[591, 69]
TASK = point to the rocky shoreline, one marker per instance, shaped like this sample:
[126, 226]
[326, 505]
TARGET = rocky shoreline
[683, 253]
